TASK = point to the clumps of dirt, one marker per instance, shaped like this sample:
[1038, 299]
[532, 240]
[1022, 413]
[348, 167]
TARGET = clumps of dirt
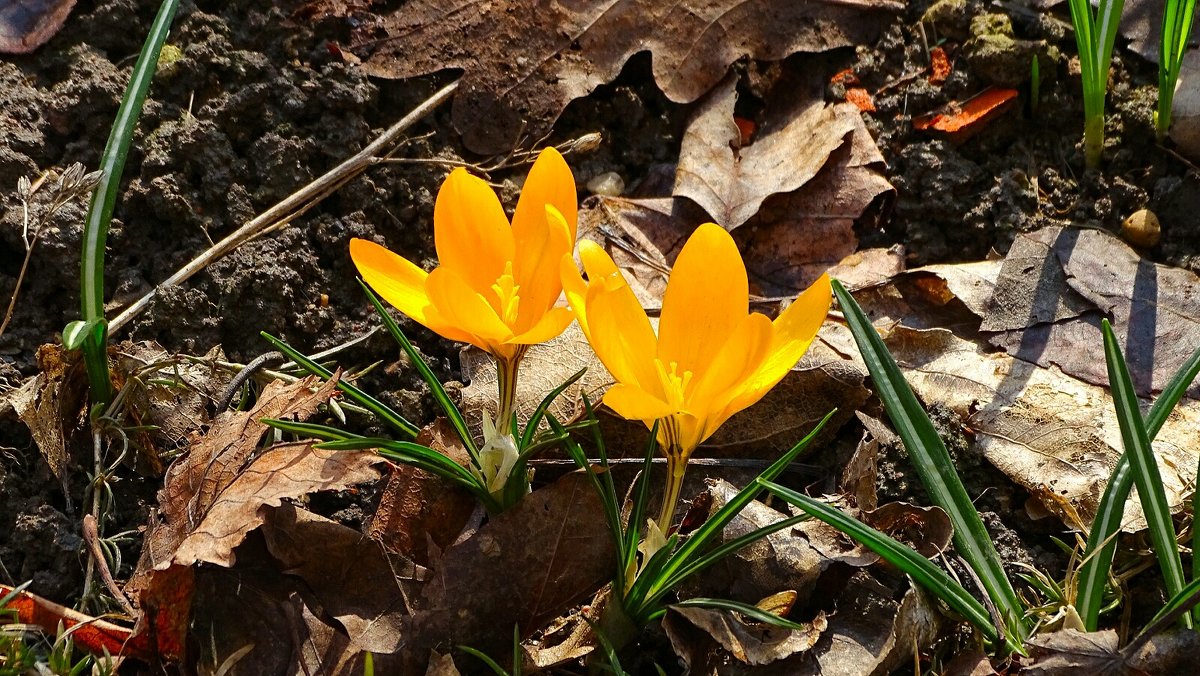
[960, 199]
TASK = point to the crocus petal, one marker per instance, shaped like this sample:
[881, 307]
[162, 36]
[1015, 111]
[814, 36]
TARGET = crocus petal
[548, 327]
[634, 403]
[736, 362]
[394, 278]
[443, 327]
[470, 231]
[536, 268]
[549, 182]
[795, 329]
[707, 297]
[602, 275]
[621, 336]
[464, 308]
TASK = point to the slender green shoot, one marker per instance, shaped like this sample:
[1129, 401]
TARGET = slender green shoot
[1144, 467]
[385, 413]
[920, 569]
[1095, 33]
[91, 332]
[439, 392]
[640, 593]
[936, 469]
[753, 612]
[1176, 30]
[1102, 539]
[1035, 85]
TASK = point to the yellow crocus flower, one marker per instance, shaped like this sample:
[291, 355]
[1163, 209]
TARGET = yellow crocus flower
[497, 283]
[711, 358]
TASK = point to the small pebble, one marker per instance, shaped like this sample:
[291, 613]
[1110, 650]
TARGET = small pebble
[1141, 229]
[609, 184]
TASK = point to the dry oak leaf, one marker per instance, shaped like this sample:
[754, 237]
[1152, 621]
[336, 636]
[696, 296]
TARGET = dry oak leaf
[26, 25]
[525, 61]
[794, 140]
[212, 495]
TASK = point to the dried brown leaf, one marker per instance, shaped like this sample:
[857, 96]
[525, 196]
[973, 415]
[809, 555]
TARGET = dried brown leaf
[795, 137]
[418, 508]
[212, 495]
[26, 25]
[752, 643]
[356, 583]
[525, 61]
[1058, 283]
[522, 568]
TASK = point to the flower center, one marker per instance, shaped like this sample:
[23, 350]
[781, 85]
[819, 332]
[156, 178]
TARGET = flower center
[674, 385]
[506, 289]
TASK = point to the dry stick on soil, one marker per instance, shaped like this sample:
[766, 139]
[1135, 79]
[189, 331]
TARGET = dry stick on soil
[293, 206]
[91, 536]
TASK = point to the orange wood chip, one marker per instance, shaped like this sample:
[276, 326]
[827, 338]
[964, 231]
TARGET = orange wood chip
[845, 77]
[861, 98]
[939, 65]
[746, 130]
[94, 635]
[963, 120]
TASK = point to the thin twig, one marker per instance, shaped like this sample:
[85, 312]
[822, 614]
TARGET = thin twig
[245, 374]
[91, 536]
[291, 207]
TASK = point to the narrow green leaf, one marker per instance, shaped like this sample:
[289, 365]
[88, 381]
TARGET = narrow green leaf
[1175, 608]
[413, 454]
[921, 570]
[482, 657]
[384, 412]
[935, 467]
[641, 499]
[1102, 539]
[720, 552]
[435, 386]
[698, 541]
[540, 411]
[304, 429]
[99, 218]
[1144, 466]
[753, 612]
[608, 495]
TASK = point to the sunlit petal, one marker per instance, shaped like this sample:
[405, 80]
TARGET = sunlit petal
[633, 403]
[707, 297]
[464, 308]
[443, 327]
[602, 275]
[795, 329]
[735, 363]
[548, 327]
[470, 231]
[394, 278]
[549, 182]
[536, 268]
[622, 337]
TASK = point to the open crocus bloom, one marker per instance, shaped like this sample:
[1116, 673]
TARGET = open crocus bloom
[712, 357]
[496, 285]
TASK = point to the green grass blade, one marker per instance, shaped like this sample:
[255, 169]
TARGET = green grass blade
[417, 455]
[718, 553]
[608, 495]
[435, 386]
[384, 412]
[1102, 539]
[641, 499]
[1144, 466]
[482, 657]
[698, 541]
[936, 469]
[1176, 607]
[933, 579]
[540, 411]
[1176, 30]
[104, 200]
[323, 432]
[753, 612]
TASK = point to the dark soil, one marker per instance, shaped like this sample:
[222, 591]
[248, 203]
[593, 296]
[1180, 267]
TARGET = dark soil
[258, 104]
